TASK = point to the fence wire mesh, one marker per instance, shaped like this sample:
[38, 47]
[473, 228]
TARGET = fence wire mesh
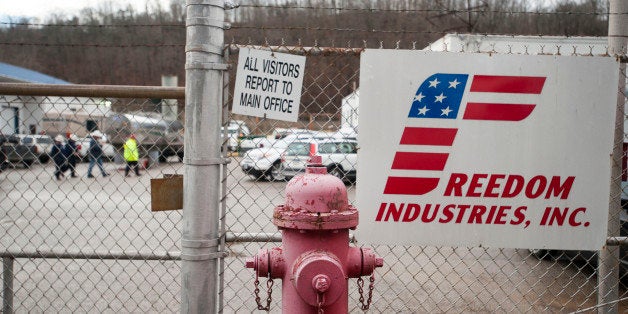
[85, 243]
[93, 244]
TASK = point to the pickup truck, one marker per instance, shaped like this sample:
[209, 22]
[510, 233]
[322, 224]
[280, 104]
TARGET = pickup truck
[15, 153]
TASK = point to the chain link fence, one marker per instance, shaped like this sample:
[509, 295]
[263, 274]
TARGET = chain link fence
[82, 244]
[414, 279]
[79, 243]
[93, 244]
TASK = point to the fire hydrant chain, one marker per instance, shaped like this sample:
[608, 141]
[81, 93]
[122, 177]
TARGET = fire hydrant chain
[320, 300]
[366, 306]
[269, 299]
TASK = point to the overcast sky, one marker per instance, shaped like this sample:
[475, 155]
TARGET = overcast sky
[42, 8]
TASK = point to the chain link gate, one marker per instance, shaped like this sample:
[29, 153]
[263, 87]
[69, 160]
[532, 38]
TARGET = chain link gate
[414, 279]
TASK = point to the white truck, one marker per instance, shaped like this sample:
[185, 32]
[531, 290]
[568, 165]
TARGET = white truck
[530, 45]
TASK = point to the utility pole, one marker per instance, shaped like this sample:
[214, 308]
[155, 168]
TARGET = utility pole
[203, 114]
[608, 263]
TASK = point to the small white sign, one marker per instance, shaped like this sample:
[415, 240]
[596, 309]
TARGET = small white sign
[268, 84]
[507, 151]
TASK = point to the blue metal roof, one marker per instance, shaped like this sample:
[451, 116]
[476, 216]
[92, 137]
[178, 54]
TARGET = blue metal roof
[18, 74]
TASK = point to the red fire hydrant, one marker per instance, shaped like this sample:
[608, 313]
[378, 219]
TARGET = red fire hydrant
[315, 260]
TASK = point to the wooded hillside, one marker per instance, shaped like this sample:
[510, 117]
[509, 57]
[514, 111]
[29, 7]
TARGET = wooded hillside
[124, 47]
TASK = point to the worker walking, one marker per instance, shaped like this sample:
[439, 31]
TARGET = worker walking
[95, 154]
[131, 155]
[59, 158]
[71, 152]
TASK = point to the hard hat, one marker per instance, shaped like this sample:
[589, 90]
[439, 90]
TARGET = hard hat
[74, 137]
[97, 134]
[59, 138]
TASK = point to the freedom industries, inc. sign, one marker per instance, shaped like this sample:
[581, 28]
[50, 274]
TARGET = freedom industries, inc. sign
[471, 149]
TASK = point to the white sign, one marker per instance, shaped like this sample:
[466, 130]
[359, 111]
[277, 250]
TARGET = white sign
[268, 84]
[485, 150]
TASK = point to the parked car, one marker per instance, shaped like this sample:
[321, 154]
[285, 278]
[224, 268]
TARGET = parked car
[264, 162]
[3, 157]
[254, 141]
[235, 130]
[260, 141]
[109, 152]
[14, 152]
[340, 156]
[347, 132]
[42, 143]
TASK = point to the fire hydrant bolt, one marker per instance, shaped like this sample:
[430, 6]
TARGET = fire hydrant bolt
[250, 263]
[321, 283]
[379, 261]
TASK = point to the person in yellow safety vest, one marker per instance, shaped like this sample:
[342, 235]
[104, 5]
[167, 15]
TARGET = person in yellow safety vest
[131, 155]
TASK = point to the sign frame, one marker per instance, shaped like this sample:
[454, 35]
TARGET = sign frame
[565, 143]
[268, 84]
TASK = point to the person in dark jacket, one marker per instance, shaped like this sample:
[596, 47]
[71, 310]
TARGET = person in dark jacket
[59, 157]
[71, 153]
[3, 156]
[95, 154]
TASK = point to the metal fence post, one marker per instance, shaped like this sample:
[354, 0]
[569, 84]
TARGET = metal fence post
[7, 285]
[608, 265]
[201, 196]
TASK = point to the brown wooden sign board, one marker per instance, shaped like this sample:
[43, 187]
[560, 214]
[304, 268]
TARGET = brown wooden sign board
[167, 193]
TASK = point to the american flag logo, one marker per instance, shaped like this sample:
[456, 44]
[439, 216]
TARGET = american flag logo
[440, 97]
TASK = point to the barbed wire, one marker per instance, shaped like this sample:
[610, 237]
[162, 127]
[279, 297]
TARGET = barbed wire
[275, 28]
[284, 47]
[403, 31]
[265, 28]
[93, 45]
[304, 28]
[446, 11]
[12, 24]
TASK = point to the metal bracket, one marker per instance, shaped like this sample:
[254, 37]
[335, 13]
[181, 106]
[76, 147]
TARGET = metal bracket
[215, 3]
[207, 66]
[207, 162]
[203, 257]
[204, 21]
[204, 48]
[200, 243]
[617, 241]
[196, 244]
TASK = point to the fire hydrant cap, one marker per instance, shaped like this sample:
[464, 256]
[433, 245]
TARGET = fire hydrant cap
[316, 193]
[316, 201]
[317, 272]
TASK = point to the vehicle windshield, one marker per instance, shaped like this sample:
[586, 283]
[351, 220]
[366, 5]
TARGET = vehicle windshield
[27, 140]
[44, 140]
[337, 148]
[298, 149]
